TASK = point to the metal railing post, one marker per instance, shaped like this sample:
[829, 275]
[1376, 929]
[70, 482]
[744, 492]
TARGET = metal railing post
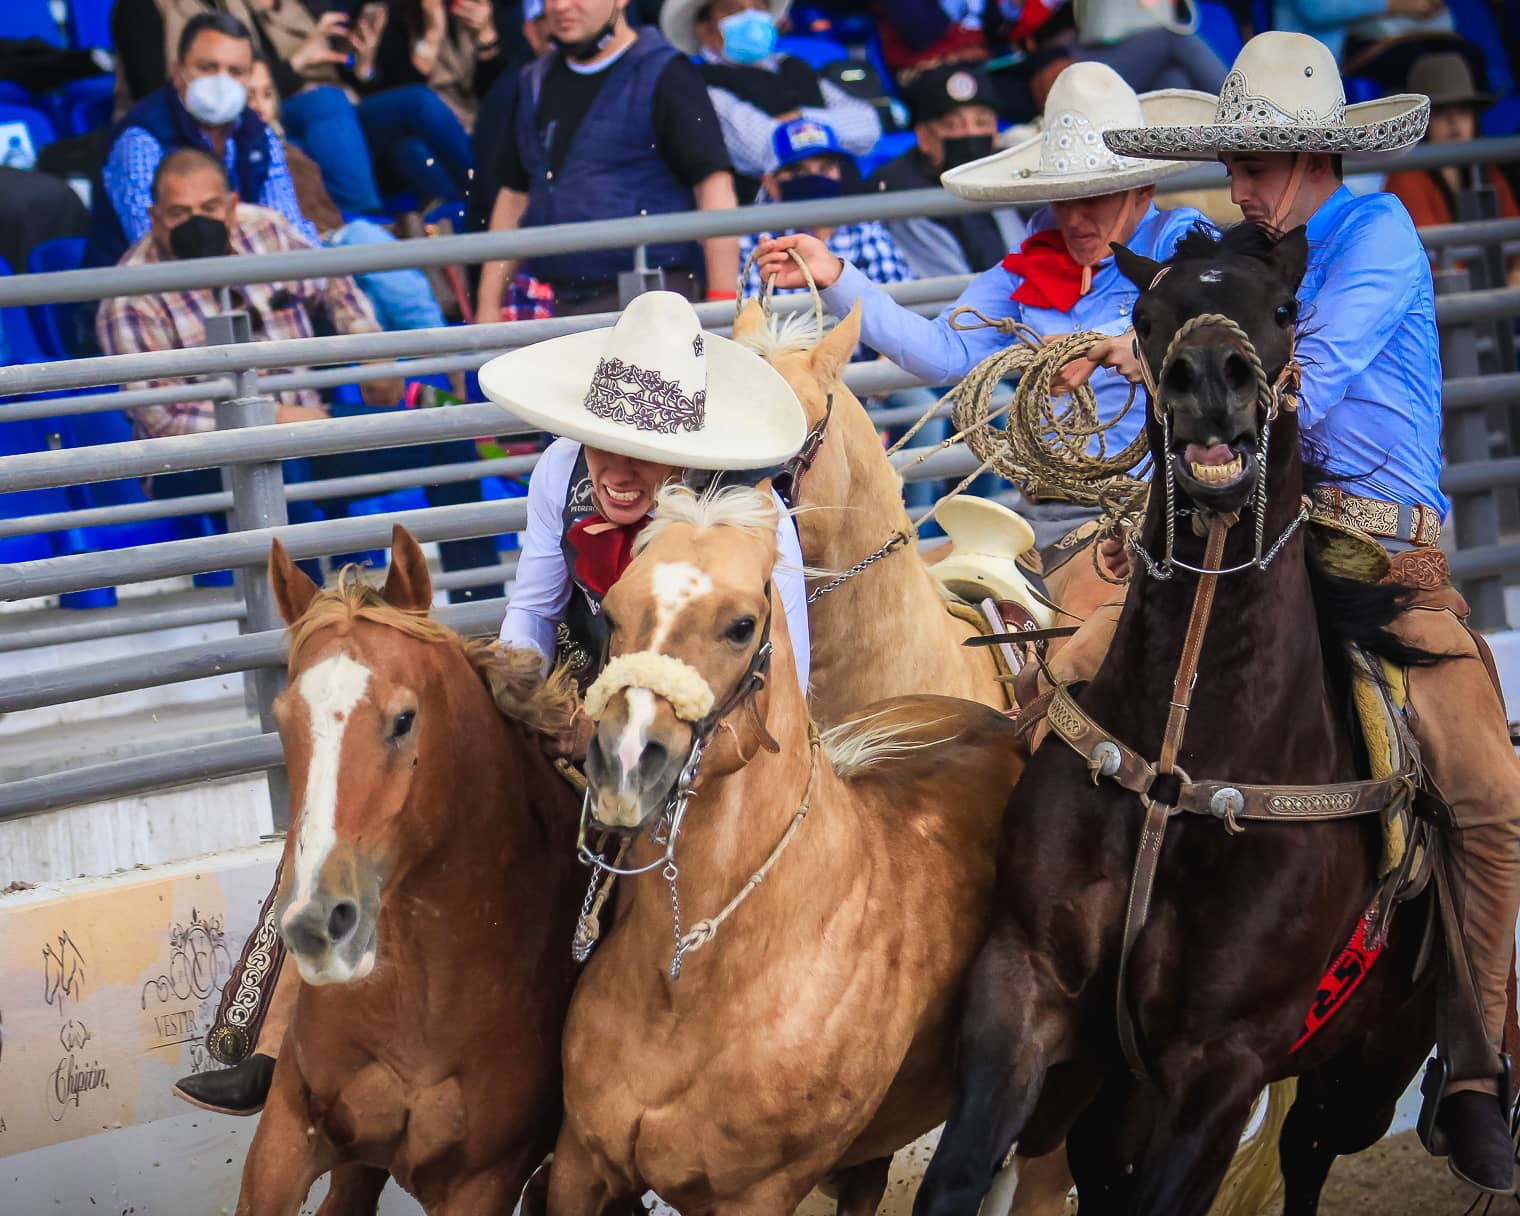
[1475, 514]
[640, 279]
[258, 501]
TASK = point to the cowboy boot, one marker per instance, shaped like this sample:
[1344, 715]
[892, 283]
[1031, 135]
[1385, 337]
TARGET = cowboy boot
[1478, 1137]
[239, 1090]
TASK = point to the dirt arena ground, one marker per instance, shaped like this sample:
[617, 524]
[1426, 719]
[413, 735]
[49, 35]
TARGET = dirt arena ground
[1396, 1178]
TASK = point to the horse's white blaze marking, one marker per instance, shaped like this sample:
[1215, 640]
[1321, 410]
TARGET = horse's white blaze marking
[1211, 276]
[635, 731]
[331, 690]
[676, 584]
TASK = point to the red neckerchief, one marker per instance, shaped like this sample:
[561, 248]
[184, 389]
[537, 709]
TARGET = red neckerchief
[1052, 278]
[602, 550]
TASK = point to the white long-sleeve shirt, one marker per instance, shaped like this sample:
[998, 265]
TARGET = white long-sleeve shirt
[541, 591]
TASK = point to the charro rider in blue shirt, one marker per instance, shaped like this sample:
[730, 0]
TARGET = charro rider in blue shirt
[1371, 399]
[1063, 279]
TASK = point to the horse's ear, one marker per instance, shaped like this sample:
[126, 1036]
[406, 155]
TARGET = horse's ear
[750, 321]
[832, 355]
[1136, 267]
[408, 585]
[1291, 255]
[293, 590]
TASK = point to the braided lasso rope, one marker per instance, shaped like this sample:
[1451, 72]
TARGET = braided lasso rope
[1043, 447]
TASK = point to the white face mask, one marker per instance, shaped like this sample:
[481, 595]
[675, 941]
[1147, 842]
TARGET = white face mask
[215, 100]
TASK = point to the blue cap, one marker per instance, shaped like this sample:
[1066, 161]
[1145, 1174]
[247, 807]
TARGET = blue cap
[803, 137]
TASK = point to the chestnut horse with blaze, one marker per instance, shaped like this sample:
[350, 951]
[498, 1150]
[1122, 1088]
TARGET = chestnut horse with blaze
[428, 896]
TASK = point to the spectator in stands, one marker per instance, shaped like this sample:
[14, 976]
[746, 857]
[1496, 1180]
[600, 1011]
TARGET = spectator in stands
[205, 107]
[195, 213]
[421, 66]
[493, 125]
[754, 90]
[402, 299]
[811, 164]
[305, 55]
[954, 122]
[918, 34]
[1456, 103]
[1329, 20]
[612, 122]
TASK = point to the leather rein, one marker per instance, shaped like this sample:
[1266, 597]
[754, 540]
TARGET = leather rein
[1164, 788]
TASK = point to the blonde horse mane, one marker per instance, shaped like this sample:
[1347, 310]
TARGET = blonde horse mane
[513, 675]
[855, 746]
[783, 334]
[743, 507]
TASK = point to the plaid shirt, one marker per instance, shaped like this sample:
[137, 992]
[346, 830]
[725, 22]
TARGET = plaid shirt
[868, 246]
[177, 320]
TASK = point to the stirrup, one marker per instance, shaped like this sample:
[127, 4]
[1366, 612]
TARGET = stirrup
[1432, 1090]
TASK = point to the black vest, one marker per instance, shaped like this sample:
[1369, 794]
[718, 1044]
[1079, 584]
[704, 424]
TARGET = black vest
[580, 640]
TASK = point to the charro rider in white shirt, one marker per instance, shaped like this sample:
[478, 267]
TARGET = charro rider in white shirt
[651, 400]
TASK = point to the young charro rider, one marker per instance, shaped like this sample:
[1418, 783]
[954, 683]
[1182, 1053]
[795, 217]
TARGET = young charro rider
[1062, 280]
[1371, 400]
[650, 400]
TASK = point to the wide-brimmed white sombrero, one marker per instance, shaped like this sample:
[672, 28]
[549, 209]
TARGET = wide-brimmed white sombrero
[1283, 94]
[654, 386]
[678, 21]
[1068, 158]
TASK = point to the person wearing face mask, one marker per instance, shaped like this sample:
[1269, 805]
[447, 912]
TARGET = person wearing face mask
[613, 121]
[954, 123]
[1061, 280]
[754, 89]
[811, 164]
[204, 106]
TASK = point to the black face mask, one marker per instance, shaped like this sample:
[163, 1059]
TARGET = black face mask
[808, 187]
[587, 48]
[200, 236]
[962, 149]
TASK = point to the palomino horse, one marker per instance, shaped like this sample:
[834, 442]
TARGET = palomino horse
[1062, 1019]
[811, 1025]
[429, 895]
[884, 633]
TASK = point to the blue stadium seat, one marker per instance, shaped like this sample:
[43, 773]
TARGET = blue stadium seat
[55, 323]
[89, 24]
[14, 94]
[1217, 27]
[1474, 20]
[39, 126]
[888, 147]
[1503, 117]
[82, 106]
[812, 49]
[32, 19]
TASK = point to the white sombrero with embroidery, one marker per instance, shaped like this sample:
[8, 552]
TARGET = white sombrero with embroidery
[1283, 94]
[1068, 158]
[654, 387]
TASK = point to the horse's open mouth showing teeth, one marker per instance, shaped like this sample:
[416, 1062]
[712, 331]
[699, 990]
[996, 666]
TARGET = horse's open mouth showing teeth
[1216, 466]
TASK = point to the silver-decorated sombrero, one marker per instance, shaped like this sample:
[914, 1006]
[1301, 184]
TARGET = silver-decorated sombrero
[1068, 159]
[1282, 94]
[656, 387]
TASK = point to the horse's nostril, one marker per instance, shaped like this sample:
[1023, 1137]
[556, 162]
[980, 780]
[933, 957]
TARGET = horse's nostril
[1179, 375]
[341, 921]
[1237, 372]
[652, 762]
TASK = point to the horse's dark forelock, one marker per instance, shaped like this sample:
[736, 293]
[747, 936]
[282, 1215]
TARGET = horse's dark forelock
[1205, 243]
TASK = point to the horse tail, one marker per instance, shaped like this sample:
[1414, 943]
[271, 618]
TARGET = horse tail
[1254, 1180]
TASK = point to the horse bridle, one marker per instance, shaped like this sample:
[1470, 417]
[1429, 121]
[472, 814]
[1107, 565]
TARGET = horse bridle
[792, 471]
[668, 826]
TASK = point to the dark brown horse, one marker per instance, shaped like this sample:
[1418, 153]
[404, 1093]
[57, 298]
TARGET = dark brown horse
[428, 897]
[1243, 926]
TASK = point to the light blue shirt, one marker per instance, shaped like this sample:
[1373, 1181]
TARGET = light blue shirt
[1371, 358]
[1326, 20]
[940, 354]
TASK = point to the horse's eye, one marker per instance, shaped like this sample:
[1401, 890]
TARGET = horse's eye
[741, 631]
[1286, 314]
[402, 726]
[1143, 327]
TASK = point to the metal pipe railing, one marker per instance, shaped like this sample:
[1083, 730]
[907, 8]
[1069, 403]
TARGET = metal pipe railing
[74, 285]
